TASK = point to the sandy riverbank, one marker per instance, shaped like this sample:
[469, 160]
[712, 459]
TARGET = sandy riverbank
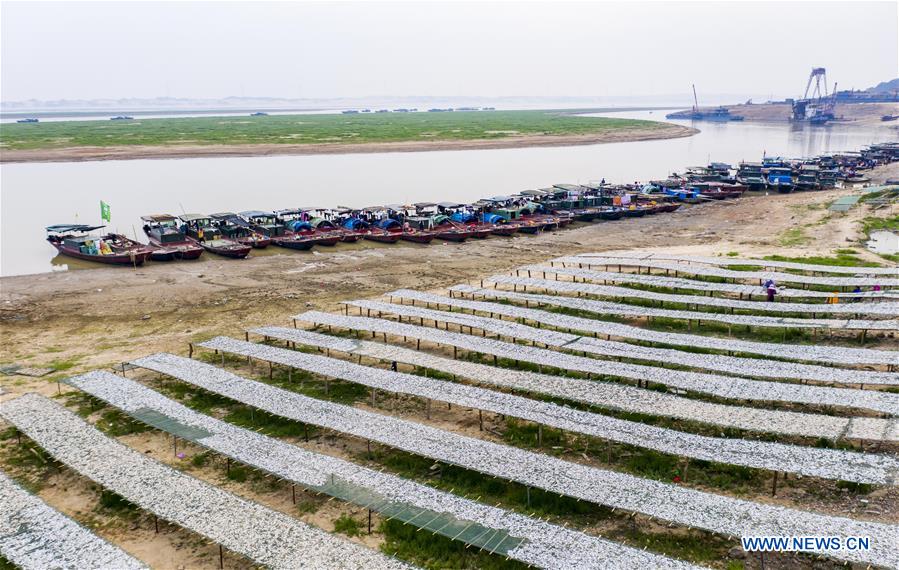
[76, 154]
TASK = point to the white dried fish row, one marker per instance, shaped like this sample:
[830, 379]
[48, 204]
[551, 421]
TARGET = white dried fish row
[724, 386]
[727, 261]
[543, 545]
[657, 280]
[731, 274]
[825, 463]
[625, 310]
[259, 533]
[730, 364]
[882, 308]
[35, 536]
[688, 507]
[596, 393]
[835, 354]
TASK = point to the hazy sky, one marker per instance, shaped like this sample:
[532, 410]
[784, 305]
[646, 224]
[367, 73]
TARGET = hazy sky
[210, 50]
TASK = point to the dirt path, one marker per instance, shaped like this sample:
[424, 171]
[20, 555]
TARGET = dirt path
[77, 320]
[78, 154]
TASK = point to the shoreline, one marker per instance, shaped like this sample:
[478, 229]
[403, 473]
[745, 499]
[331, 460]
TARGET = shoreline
[84, 154]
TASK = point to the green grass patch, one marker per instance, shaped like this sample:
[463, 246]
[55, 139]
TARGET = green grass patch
[872, 224]
[856, 488]
[237, 473]
[311, 129]
[844, 258]
[345, 524]
[792, 237]
[115, 502]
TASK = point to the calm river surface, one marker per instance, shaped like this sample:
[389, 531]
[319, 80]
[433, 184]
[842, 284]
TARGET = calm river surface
[37, 195]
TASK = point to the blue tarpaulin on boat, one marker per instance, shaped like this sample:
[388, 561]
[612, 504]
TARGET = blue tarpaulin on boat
[388, 223]
[299, 226]
[462, 217]
[492, 219]
[354, 224]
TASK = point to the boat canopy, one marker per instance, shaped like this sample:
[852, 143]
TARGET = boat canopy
[298, 226]
[288, 212]
[424, 204]
[355, 224]
[321, 223]
[223, 215]
[257, 214]
[193, 217]
[64, 228]
[158, 218]
[462, 217]
[450, 205]
[388, 223]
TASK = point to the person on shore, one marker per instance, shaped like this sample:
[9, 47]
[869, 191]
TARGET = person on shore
[771, 289]
[877, 288]
[835, 299]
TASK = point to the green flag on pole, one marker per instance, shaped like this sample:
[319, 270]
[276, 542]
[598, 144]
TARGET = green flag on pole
[104, 211]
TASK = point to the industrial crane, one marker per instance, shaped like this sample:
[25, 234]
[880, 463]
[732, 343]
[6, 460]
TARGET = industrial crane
[819, 108]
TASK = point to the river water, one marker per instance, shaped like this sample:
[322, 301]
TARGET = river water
[37, 195]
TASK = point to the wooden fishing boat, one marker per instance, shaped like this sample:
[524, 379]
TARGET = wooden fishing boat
[387, 230]
[200, 229]
[633, 211]
[669, 206]
[237, 229]
[169, 241]
[720, 191]
[263, 222]
[444, 228]
[417, 236]
[383, 236]
[74, 240]
[299, 233]
[611, 213]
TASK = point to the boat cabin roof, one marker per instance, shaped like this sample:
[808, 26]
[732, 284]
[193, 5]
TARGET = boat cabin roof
[450, 204]
[65, 228]
[257, 214]
[71, 240]
[424, 204]
[193, 217]
[223, 215]
[159, 218]
[288, 211]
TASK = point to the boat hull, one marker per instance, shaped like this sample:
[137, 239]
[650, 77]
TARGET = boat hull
[504, 230]
[385, 237]
[417, 237]
[254, 242]
[138, 258]
[293, 243]
[173, 251]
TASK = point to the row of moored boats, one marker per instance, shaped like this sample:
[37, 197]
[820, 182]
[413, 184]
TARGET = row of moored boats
[234, 235]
